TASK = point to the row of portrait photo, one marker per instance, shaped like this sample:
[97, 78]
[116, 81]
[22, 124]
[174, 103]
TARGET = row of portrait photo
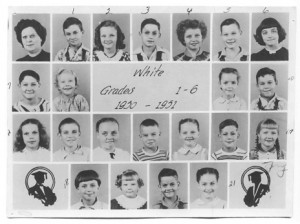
[197, 185]
[151, 37]
[233, 87]
[149, 137]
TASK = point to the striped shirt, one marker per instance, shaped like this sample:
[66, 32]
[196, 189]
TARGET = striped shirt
[42, 106]
[238, 154]
[159, 155]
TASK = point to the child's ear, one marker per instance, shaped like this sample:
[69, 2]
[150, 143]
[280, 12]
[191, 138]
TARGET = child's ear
[238, 135]
[160, 133]
[178, 182]
[241, 32]
[140, 33]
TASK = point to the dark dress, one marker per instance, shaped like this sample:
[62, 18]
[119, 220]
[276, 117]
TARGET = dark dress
[43, 56]
[281, 55]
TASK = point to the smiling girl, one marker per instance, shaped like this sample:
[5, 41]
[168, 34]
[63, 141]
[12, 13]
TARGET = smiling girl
[109, 44]
[267, 142]
[191, 34]
[32, 36]
[270, 34]
[129, 183]
[29, 84]
[32, 142]
[67, 83]
[207, 179]
[189, 133]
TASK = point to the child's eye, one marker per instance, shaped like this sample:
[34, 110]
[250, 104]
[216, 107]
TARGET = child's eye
[233, 83]
[34, 132]
[154, 33]
[197, 35]
[32, 36]
[65, 132]
[164, 185]
[25, 133]
[104, 133]
[147, 32]
[188, 36]
[172, 184]
[74, 131]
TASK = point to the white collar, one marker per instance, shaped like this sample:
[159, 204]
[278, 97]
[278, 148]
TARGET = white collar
[131, 203]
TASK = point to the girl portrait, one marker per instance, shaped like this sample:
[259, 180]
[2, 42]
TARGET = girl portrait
[31, 37]
[109, 38]
[32, 142]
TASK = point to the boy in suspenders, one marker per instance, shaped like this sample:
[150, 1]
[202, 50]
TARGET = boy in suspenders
[150, 51]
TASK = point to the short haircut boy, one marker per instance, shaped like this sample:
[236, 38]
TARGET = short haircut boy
[167, 172]
[265, 71]
[149, 21]
[228, 122]
[72, 21]
[206, 170]
[31, 73]
[87, 175]
[227, 71]
[266, 24]
[67, 121]
[104, 120]
[228, 22]
[149, 122]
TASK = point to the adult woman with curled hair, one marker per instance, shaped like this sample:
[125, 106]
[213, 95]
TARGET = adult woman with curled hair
[32, 36]
[270, 35]
[109, 43]
[191, 34]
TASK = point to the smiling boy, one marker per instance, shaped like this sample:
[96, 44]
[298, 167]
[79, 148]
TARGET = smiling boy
[75, 51]
[149, 135]
[69, 133]
[266, 83]
[229, 135]
[150, 51]
[87, 184]
[231, 34]
[169, 185]
[108, 135]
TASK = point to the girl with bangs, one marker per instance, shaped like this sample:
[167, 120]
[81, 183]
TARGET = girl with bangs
[270, 34]
[267, 142]
[129, 183]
